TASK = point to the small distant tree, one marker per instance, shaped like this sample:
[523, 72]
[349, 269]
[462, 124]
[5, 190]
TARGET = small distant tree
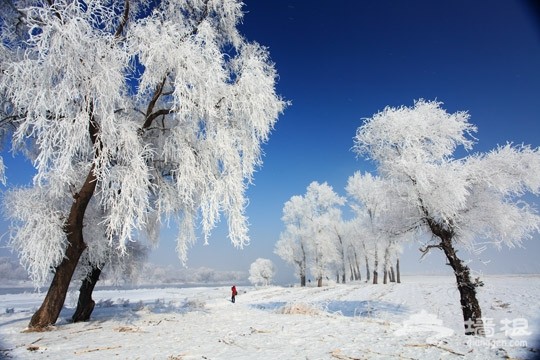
[261, 272]
[456, 201]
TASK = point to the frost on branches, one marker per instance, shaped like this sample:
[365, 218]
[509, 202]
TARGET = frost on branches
[147, 111]
[462, 202]
[370, 202]
[310, 239]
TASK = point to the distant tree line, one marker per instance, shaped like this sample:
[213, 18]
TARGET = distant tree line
[317, 241]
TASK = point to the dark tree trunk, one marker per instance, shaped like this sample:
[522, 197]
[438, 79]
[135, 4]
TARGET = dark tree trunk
[50, 309]
[398, 275]
[48, 312]
[375, 268]
[385, 276]
[472, 314]
[85, 304]
[392, 274]
[302, 267]
[319, 282]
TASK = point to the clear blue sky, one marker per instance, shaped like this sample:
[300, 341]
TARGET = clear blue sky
[341, 61]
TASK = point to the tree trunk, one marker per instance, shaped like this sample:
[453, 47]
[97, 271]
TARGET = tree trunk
[472, 315]
[319, 282]
[368, 273]
[343, 262]
[398, 276]
[375, 267]
[385, 276]
[303, 271]
[50, 309]
[392, 274]
[85, 304]
[357, 274]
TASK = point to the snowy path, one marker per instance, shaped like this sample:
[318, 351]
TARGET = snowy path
[357, 321]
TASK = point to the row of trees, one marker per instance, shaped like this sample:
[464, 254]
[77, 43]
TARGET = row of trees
[133, 113]
[420, 191]
[318, 241]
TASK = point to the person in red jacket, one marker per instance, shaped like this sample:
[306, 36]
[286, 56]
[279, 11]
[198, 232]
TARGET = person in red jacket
[234, 293]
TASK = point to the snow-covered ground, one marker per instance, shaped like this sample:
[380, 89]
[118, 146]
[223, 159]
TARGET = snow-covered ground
[417, 319]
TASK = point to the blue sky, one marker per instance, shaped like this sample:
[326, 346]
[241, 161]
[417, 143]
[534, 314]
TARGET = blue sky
[341, 61]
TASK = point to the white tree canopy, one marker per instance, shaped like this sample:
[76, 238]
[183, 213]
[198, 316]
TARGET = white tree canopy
[292, 243]
[166, 103]
[261, 272]
[309, 239]
[479, 198]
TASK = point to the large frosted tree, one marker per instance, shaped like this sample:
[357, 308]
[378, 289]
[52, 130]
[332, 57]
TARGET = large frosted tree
[150, 110]
[457, 201]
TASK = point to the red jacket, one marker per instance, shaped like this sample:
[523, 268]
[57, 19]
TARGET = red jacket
[233, 289]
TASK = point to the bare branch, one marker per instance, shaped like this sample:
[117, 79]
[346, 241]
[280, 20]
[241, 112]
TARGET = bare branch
[150, 109]
[425, 250]
[124, 20]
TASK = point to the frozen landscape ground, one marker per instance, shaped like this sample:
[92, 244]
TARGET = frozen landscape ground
[417, 319]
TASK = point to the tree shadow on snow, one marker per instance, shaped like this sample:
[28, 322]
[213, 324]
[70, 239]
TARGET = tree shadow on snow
[269, 306]
[122, 309]
[364, 308]
[344, 308]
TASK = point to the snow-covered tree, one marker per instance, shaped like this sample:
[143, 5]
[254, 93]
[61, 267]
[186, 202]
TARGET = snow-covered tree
[309, 239]
[338, 232]
[35, 212]
[261, 272]
[365, 192]
[321, 215]
[353, 249]
[457, 202]
[370, 203]
[292, 243]
[152, 110]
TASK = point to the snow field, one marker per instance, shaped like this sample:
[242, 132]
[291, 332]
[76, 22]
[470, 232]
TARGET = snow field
[337, 321]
